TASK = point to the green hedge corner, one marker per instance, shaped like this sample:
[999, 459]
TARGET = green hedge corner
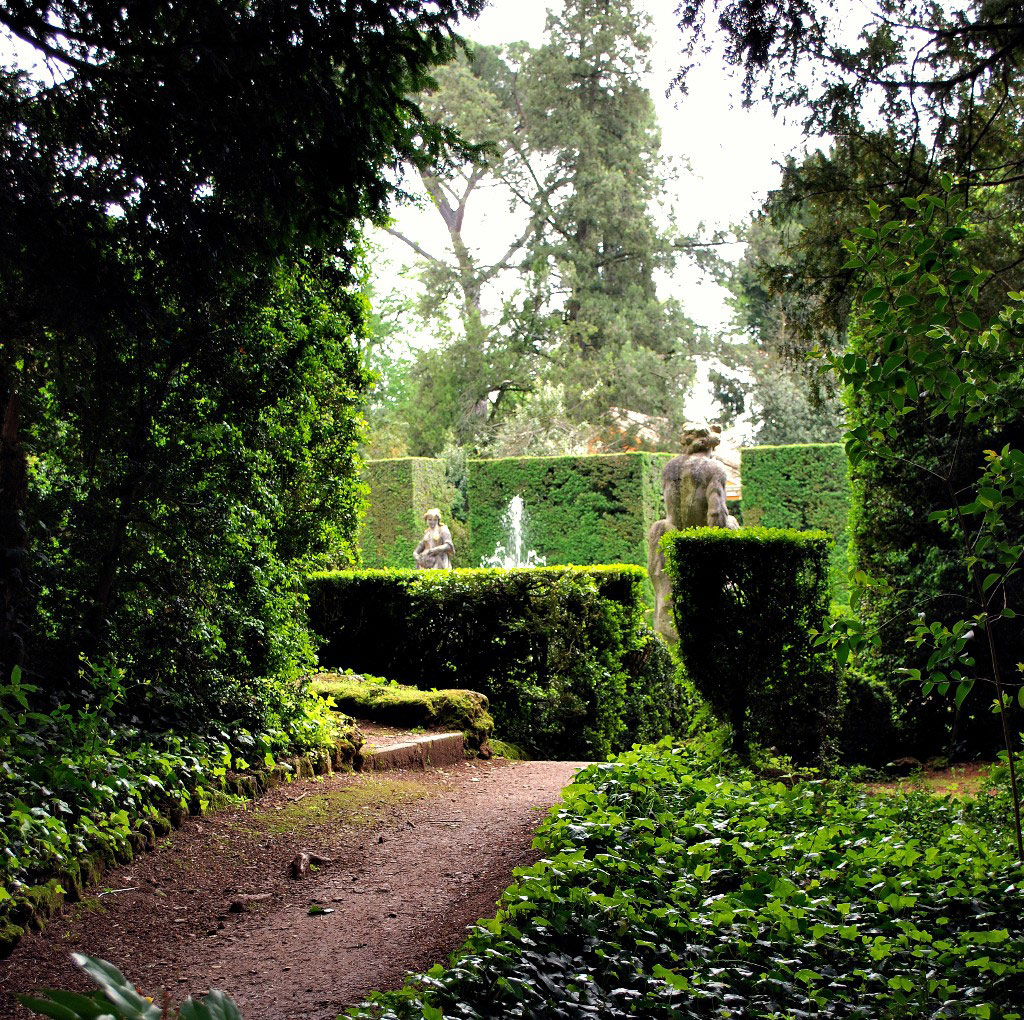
[804, 487]
[562, 654]
[401, 489]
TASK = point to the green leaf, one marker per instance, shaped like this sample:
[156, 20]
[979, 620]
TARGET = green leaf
[969, 319]
[117, 988]
[215, 1006]
[963, 689]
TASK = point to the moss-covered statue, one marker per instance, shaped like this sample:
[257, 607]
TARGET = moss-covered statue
[693, 486]
[435, 551]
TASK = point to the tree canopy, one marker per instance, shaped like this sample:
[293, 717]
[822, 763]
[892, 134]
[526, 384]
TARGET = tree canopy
[183, 189]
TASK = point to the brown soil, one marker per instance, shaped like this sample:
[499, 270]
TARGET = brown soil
[414, 857]
[956, 780]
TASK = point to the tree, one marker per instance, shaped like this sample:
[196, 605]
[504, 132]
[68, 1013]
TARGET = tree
[789, 403]
[181, 205]
[922, 353]
[569, 300]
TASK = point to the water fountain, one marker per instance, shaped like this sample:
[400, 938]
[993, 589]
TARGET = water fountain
[513, 552]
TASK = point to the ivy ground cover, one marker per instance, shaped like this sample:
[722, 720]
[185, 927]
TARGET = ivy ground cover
[676, 886]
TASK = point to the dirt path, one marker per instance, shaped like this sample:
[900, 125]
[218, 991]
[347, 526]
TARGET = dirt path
[413, 858]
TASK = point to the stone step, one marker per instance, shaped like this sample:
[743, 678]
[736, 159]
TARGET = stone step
[432, 750]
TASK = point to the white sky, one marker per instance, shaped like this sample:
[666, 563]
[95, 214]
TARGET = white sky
[724, 155]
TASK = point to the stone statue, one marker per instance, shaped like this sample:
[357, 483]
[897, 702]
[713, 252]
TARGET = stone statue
[693, 487]
[435, 550]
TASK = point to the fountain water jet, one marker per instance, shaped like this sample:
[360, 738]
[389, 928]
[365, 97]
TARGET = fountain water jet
[513, 552]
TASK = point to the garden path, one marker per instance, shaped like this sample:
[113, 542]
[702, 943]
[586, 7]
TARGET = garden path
[413, 857]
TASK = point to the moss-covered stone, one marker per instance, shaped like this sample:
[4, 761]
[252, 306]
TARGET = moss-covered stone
[10, 933]
[396, 705]
[38, 903]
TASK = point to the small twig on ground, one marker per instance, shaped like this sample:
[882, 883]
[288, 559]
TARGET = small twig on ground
[110, 892]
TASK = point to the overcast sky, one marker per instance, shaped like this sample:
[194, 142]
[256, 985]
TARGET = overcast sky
[724, 155]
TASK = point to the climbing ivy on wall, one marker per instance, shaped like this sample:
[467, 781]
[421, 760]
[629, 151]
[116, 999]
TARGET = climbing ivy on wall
[583, 510]
[803, 487]
[400, 490]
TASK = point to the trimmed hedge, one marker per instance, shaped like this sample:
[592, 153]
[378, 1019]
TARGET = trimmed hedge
[589, 510]
[562, 653]
[803, 487]
[745, 603]
[400, 491]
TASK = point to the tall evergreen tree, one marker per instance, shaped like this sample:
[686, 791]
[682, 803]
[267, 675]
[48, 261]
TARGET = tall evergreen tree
[570, 299]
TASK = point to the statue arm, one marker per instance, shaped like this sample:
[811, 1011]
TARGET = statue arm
[718, 515]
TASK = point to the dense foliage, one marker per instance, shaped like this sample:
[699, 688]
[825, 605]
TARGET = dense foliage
[803, 487]
[400, 490]
[181, 202]
[921, 353]
[934, 385]
[747, 605]
[592, 509]
[562, 653]
[84, 786]
[674, 885]
[550, 317]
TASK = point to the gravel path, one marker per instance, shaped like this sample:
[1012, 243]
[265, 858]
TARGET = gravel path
[411, 859]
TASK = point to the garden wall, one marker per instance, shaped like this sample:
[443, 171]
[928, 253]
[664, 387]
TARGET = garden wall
[584, 510]
[803, 487]
[400, 490]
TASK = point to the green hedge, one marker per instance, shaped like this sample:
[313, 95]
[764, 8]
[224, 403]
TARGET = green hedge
[561, 653]
[588, 510]
[803, 487]
[400, 491]
[745, 604]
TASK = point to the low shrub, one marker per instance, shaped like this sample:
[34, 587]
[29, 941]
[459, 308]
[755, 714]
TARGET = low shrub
[561, 653]
[393, 704]
[747, 605]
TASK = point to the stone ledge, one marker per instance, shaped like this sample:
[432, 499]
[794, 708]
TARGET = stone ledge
[433, 751]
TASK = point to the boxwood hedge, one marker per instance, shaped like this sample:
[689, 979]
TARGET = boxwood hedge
[593, 509]
[562, 653]
[746, 603]
[803, 487]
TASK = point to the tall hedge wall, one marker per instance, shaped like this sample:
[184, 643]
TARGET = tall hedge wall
[587, 510]
[400, 490]
[562, 653]
[803, 487]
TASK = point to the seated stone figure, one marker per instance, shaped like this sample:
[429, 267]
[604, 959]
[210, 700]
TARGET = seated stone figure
[693, 487]
[435, 550]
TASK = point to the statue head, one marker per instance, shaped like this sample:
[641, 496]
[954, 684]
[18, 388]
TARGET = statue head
[432, 517]
[700, 437]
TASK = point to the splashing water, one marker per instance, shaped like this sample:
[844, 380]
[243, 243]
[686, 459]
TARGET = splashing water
[513, 552]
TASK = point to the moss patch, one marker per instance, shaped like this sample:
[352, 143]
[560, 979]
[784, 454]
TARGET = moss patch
[408, 707]
[362, 803]
[503, 749]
